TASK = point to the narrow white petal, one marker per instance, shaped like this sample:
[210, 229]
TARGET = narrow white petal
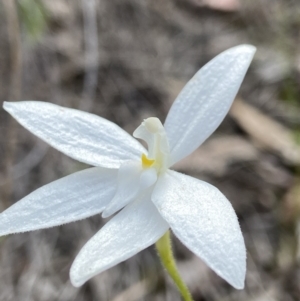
[205, 100]
[82, 136]
[127, 187]
[204, 220]
[136, 227]
[71, 198]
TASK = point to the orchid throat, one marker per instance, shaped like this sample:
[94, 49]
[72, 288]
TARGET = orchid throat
[136, 177]
[153, 133]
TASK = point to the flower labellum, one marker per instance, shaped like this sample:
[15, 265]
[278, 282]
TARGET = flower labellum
[137, 182]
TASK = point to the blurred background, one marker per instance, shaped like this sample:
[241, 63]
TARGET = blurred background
[126, 60]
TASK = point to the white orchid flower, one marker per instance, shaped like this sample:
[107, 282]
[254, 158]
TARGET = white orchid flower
[153, 197]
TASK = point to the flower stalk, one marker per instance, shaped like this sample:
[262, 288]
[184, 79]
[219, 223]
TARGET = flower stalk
[164, 249]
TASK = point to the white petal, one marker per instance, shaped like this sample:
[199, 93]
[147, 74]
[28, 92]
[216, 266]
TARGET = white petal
[205, 100]
[148, 178]
[127, 187]
[82, 136]
[71, 198]
[136, 227]
[132, 182]
[204, 220]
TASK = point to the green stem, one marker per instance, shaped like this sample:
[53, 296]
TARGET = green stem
[164, 249]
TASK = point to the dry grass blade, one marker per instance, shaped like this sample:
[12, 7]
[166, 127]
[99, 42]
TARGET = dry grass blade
[266, 132]
[217, 154]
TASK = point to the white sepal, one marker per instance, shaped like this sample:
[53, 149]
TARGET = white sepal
[205, 222]
[136, 227]
[82, 136]
[69, 199]
[205, 100]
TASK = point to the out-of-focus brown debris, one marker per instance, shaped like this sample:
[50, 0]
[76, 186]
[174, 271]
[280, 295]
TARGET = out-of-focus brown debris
[217, 154]
[135, 292]
[267, 133]
[222, 5]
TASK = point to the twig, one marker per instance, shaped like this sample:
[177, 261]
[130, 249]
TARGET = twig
[13, 29]
[91, 55]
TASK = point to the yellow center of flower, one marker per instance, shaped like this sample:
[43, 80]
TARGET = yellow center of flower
[147, 162]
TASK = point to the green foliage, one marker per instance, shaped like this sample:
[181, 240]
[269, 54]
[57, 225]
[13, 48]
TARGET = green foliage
[33, 17]
[290, 91]
[291, 94]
